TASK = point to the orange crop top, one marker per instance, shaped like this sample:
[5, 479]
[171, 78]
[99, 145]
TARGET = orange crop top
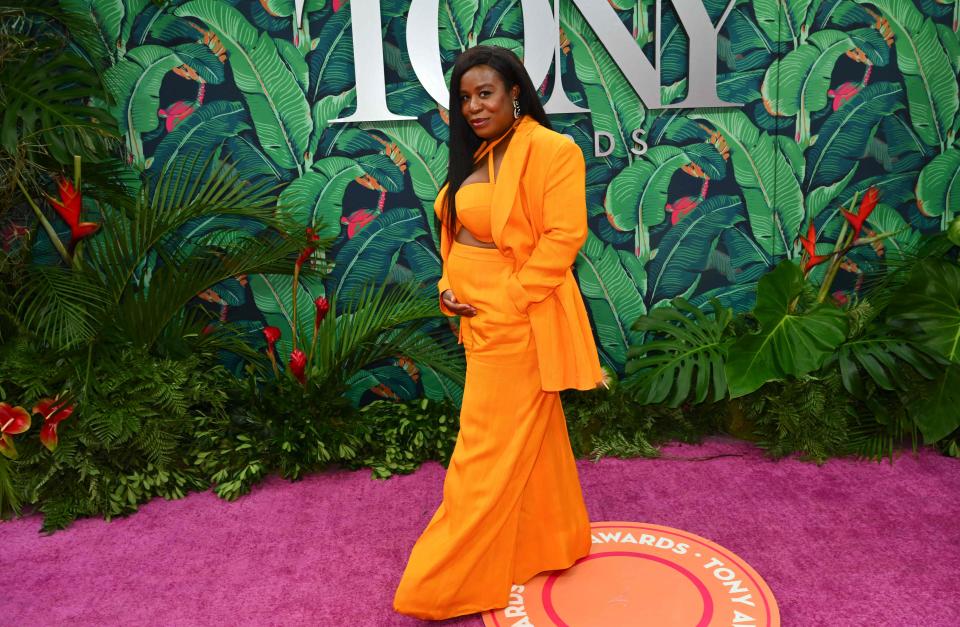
[473, 206]
[474, 199]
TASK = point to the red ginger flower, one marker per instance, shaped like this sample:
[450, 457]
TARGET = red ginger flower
[54, 411]
[298, 365]
[810, 245]
[68, 208]
[867, 205]
[323, 306]
[272, 334]
[312, 239]
[13, 420]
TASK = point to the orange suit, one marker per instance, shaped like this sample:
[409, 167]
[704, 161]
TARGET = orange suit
[512, 504]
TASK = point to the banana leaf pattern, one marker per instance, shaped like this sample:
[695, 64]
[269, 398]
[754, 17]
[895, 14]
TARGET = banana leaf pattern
[834, 95]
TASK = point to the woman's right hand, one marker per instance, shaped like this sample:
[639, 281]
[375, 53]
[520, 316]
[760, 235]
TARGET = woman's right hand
[461, 309]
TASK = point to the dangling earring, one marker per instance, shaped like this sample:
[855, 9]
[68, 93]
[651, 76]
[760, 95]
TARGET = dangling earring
[516, 108]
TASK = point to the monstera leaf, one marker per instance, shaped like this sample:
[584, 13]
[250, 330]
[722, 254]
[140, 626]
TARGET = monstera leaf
[612, 282]
[844, 136]
[789, 343]
[930, 303]
[938, 188]
[798, 83]
[271, 85]
[931, 84]
[368, 257]
[614, 105]
[927, 309]
[882, 359]
[683, 252]
[771, 190]
[687, 355]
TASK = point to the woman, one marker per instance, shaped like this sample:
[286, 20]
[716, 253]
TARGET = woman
[512, 218]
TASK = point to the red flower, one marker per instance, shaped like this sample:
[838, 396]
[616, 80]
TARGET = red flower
[175, 113]
[843, 93]
[54, 411]
[682, 207]
[13, 420]
[810, 246]
[312, 239]
[68, 208]
[867, 206]
[323, 306]
[272, 334]
[298, 364]
[357, 220]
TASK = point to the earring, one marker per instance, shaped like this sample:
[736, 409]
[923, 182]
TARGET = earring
[516, 108]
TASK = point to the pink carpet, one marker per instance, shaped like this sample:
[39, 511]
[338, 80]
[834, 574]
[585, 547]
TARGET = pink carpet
[847, 543]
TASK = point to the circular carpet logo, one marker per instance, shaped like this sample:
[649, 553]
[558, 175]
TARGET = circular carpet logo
[638, 574]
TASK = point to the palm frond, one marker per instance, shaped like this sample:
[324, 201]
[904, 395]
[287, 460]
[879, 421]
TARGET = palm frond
[381, 322]
[142, 314]
[64, 308]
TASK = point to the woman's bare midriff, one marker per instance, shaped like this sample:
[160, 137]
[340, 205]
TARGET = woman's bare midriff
[466, 237]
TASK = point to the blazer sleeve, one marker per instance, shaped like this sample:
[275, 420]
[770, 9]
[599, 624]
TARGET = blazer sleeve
[444, 282]
[564, 230]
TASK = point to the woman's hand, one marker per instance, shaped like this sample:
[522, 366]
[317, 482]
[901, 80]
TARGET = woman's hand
[461, 309]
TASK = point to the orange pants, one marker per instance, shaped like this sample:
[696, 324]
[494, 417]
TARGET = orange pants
[512, 503]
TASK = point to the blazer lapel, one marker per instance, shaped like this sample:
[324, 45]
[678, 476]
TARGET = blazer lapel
[508, 178]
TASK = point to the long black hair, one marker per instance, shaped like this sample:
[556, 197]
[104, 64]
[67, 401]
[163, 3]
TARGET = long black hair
[463, 141]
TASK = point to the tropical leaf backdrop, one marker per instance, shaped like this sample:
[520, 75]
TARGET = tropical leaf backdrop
[836, 95]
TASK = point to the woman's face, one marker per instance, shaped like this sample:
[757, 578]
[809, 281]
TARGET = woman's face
[485, 102]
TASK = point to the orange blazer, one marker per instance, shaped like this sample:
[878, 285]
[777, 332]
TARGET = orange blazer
[539, 217]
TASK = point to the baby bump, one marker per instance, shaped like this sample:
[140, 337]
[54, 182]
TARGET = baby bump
[478, 276]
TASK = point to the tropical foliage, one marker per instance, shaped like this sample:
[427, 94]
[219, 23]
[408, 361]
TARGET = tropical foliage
[824, 377]
[835, 96]
[147, 281]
